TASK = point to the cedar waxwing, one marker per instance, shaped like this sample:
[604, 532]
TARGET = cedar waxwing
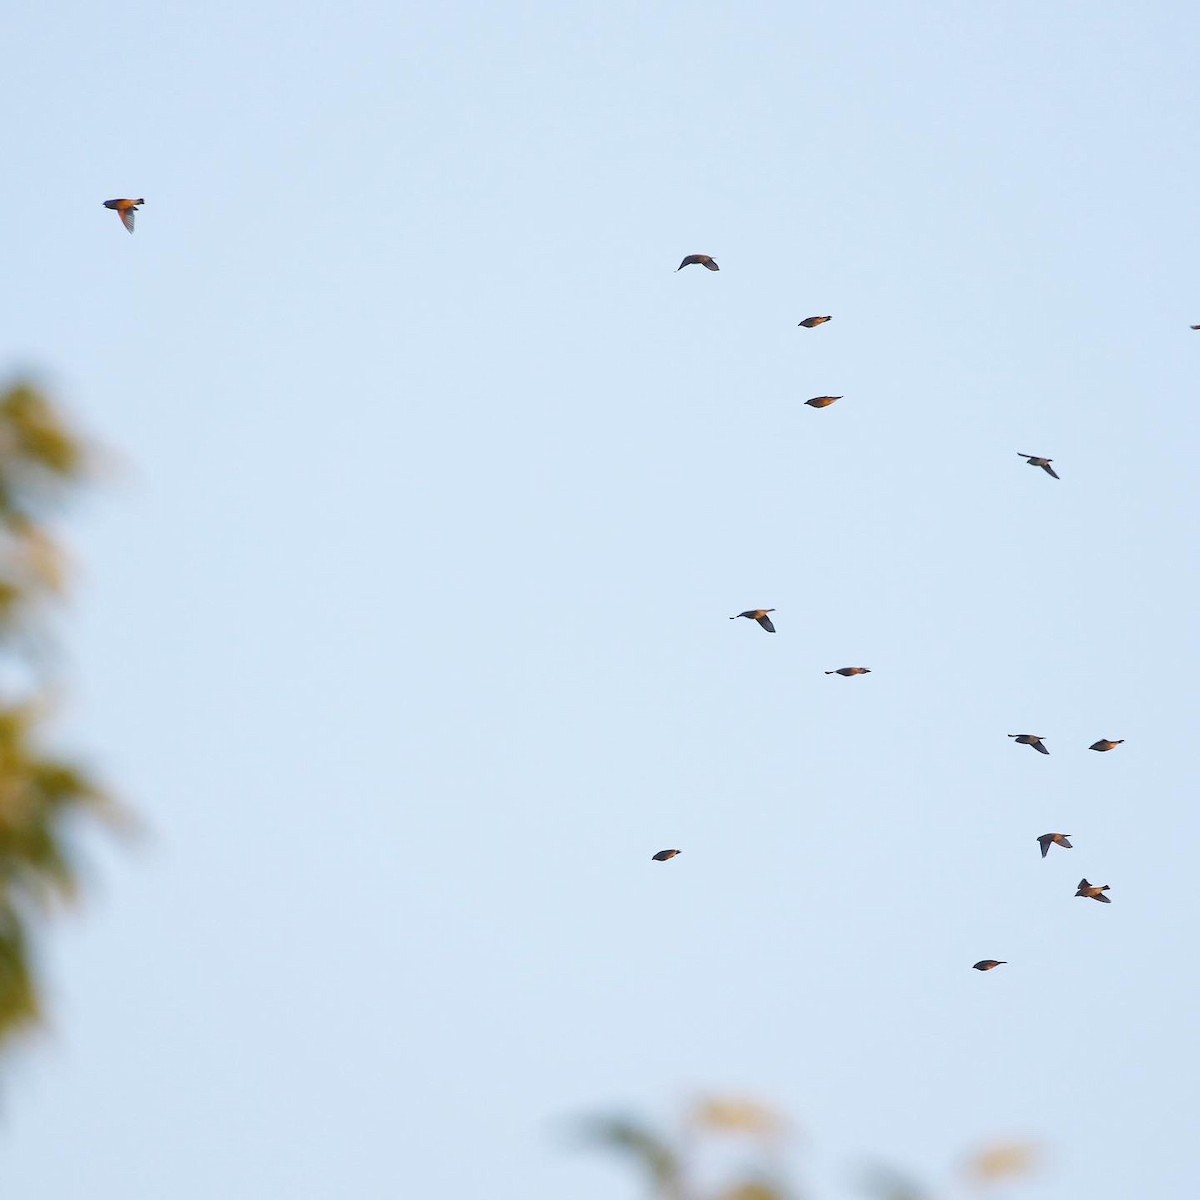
[125, 209]
[1093, 891]
[1106, 744]
[705, 260]
[1029, 739]
[821, 401]
[989, 964]
[663, 855]
[813, 322]
[1054, 839]
[1035, 461]
[759, 615]
[848, 671]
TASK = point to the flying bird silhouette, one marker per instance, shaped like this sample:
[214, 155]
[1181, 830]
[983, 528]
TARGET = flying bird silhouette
[1196, 326]
[1036, 461]
[989, 964]
[125, 209]
[813, 322]
[1093, 891]
[1054, 839]
[663, 855]
[1106, 744]
[759, 615]
[705, 260]
[848, 671]
[1029, 739]
[821, 401]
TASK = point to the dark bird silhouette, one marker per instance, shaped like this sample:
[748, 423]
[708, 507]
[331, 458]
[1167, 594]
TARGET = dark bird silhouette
[1196, 326]
[821, 401]
[663, 855]
[813, 322]
[1054, 839]
[1029, 739]
[989, 964]
[1093, 891]
[759, 615]
[848, 671]
[1106, 744]
[1036, 461]
[705, 260]
[125, 209]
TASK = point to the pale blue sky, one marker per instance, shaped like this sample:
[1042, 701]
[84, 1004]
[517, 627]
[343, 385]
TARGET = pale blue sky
[404, 626]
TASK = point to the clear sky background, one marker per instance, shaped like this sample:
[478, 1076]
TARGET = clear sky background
[402, 620]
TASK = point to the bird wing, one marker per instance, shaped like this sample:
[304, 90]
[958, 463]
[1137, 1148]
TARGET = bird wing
[1049, 470]
[1065, 843]
[1039, 747]
[765, 622]
[687, 262]
[1102, 898]
[1044, 841]
[708, 262]
[127, 215]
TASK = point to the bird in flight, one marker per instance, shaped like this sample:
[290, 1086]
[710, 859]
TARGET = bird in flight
[1054, 839]
[1106, 744]
[1029, 739]
[821, 401]
[989, 964]
[664, 855]
[705, 260]
[813, 322]
[1035, 461]
[125, 209]
[759, 615]
[848, 671]
[1196, 326]
[1093, 891]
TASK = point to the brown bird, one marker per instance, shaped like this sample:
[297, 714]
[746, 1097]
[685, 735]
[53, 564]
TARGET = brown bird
[848, 671]
[663, 855]
[1106, 744]
[1093, 891]
[759, 615]
[705, 260]
[821, 401]
[1029, 739]
[1035, 461]
[1054, 839]
[125, 209]
[989, 964]
[813, 322]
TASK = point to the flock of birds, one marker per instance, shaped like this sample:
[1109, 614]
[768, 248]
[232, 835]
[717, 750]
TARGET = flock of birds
[126, 209]
[1090, 891]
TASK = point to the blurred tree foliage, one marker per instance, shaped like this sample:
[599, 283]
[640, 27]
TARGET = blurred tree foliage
[672, 1166]
[42, 463]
